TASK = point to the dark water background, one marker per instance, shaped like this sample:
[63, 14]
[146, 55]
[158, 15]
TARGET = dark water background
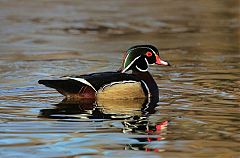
[198, 113]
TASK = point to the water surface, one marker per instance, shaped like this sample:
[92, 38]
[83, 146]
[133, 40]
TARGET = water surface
[198, 112]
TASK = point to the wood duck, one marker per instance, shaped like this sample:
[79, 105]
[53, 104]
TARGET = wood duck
[118, 84]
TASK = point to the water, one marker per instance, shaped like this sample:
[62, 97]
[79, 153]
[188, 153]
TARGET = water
[198, 111]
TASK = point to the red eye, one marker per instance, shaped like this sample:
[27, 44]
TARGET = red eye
[149, 54]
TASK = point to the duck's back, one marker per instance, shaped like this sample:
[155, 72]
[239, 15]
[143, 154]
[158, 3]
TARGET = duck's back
[109, 85]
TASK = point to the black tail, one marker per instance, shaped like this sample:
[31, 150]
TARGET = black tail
[64, 87]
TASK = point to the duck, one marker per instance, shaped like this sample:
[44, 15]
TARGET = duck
[131, 81]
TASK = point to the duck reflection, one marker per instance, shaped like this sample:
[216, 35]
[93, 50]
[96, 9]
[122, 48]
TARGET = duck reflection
[101, 109]
[133, 113]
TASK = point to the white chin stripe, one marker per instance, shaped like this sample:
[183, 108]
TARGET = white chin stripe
[141, 69]
[82, 80]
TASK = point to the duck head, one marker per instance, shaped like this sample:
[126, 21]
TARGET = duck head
[139, 57]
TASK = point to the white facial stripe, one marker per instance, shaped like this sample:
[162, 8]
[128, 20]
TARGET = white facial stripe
[82, 80]
[124, 70]
[146, 61]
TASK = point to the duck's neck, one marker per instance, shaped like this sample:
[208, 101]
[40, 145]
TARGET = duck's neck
[148, 79]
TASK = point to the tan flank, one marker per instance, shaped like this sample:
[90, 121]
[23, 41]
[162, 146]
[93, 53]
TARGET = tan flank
[121, 90]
